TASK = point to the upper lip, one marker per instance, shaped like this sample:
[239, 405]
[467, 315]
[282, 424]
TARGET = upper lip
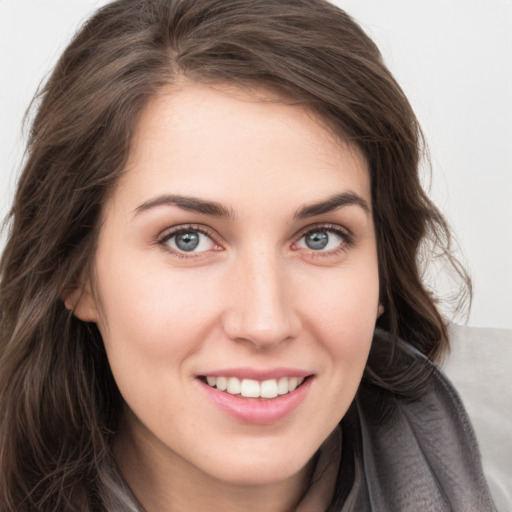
[257, 374]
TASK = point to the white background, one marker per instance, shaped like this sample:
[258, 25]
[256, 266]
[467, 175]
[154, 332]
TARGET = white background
[453, 58]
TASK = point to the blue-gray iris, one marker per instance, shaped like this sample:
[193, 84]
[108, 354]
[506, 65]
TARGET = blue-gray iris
[317, 240]
[187, 241]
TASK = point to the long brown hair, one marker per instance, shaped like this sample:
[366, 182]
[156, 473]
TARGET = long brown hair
[59, 405]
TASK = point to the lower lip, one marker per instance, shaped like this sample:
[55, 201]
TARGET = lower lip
[255, 410]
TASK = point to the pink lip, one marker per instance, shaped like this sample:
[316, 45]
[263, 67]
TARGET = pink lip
[261, 375]
[256, 410]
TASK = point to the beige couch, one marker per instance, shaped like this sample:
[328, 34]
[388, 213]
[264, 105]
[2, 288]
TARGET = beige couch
[480, 366]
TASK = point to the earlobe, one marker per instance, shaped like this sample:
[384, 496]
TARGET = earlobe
[380, 310]
[81, 303]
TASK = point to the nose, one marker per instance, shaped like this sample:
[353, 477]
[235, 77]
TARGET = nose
[261, 305]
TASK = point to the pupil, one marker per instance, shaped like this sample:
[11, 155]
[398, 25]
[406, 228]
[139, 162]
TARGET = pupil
[317, 240]
[187, 241]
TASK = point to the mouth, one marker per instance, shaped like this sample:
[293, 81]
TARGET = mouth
[257, 396]
[252, 388]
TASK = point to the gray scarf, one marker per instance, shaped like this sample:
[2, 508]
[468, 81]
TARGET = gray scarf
[412, 455]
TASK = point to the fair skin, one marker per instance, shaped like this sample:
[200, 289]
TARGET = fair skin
[212, 262]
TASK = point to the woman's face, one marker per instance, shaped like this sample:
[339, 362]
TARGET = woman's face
[237, 250]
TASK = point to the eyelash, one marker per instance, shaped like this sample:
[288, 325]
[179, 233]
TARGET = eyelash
[164, 237]
[343, 233]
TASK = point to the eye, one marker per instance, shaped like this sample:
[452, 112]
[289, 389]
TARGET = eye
[323, 239]
[189, 240]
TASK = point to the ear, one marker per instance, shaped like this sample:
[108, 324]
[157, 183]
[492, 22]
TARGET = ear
[380, 310]
[80, 301]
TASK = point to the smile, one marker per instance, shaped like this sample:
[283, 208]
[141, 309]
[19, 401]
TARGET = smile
[257, 397]
[250, 388]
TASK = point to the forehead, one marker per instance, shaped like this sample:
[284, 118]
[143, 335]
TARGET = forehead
[203, 140]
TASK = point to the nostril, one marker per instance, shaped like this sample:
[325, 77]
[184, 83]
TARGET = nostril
[262, 332]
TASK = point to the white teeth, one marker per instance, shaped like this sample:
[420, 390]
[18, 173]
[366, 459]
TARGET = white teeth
[269, 388]
[222, 383]
[282, 386]
[234, 386]
[293, 383]
[251, 388]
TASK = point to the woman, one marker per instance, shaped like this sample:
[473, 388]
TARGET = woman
[213, 257]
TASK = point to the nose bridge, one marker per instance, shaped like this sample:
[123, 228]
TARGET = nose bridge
[262, 309]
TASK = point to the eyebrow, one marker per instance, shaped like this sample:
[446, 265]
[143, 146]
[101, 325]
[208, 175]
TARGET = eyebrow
[191, 204]
[332, 203]
[205, 207]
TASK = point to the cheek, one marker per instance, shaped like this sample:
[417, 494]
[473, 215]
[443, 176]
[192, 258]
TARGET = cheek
[151, 326]
[147, 313]
[342, 314]
[345, 303]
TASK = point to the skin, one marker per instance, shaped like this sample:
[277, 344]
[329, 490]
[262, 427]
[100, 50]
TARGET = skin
[253, 294]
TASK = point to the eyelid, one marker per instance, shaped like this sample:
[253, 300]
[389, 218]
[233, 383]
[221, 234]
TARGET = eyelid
[343, 231]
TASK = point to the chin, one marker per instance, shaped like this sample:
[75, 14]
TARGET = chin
[262, 475]
[252, 468]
